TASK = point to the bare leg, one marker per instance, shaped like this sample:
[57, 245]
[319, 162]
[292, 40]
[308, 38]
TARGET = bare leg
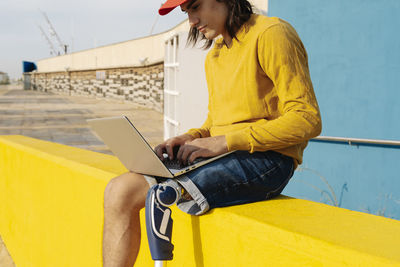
[124, 196]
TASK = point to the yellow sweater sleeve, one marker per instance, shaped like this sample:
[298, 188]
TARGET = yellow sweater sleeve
[283, 58]
[202, 132]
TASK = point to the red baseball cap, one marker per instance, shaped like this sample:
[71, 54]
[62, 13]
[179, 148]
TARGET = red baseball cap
[169, 6]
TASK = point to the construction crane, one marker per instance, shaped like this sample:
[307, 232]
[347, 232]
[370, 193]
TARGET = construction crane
[53, 33]
[52, 49]
[156, 20]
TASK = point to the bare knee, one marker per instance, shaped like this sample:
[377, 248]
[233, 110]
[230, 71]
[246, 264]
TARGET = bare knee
[126, 193]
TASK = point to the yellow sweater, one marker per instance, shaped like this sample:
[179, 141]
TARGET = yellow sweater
[260, 92]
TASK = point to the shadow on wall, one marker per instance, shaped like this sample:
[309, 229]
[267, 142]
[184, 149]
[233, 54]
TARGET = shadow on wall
[197, 245]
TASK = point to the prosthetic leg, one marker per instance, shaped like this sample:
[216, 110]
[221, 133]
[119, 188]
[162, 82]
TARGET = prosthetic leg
[159, 221]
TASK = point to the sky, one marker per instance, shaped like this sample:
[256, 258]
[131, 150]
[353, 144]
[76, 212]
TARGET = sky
[81, 24]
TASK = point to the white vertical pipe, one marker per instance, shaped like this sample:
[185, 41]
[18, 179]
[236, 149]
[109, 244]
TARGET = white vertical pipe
[175, 83]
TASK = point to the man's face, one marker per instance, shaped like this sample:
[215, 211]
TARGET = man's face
[208, 16]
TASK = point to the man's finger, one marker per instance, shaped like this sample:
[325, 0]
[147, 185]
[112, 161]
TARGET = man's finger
[195, 155]
[187, 150]
[169, 147]
[159, 151]
[180, 151]
[198, 154]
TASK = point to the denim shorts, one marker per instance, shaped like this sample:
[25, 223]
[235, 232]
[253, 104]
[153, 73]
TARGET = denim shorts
[238, 178]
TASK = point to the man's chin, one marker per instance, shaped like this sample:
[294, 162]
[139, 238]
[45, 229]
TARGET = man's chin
[209, 36]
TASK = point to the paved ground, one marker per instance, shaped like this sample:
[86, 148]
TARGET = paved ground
[62, 119]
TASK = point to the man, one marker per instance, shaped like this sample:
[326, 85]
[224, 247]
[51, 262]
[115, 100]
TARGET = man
[261, 105]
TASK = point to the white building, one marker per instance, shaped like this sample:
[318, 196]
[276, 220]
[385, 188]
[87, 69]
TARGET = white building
[3, 78]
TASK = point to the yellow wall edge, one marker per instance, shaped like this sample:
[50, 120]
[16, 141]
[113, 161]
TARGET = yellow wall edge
[51, 214]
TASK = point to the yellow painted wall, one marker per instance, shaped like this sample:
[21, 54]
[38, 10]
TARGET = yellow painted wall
[51, 214]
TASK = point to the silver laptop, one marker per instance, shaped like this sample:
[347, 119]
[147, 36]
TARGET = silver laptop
[125, 141]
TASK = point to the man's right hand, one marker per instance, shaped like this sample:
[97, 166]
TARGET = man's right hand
[167, 146]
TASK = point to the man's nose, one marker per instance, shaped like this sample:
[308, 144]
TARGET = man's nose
[193, 20]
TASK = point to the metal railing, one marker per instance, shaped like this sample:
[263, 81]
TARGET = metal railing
[356, 141]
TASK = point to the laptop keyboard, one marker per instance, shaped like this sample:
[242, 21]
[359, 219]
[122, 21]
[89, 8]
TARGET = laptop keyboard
[173, 164]
[176, 164]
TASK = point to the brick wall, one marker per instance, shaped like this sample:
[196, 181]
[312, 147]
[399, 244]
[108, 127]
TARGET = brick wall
[141, 85]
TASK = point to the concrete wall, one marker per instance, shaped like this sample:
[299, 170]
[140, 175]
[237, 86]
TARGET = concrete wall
[134, 53]
[354, 58]
[141, 85]
[131, 71]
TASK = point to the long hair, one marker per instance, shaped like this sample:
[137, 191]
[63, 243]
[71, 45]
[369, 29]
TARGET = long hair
[239, 11]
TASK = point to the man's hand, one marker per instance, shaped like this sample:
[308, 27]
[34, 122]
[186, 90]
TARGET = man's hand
[167, 146]
[202, 147]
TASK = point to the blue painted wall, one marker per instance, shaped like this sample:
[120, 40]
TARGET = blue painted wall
[354, 57]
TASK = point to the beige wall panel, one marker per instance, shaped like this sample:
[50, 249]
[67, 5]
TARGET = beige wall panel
[125, 54]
